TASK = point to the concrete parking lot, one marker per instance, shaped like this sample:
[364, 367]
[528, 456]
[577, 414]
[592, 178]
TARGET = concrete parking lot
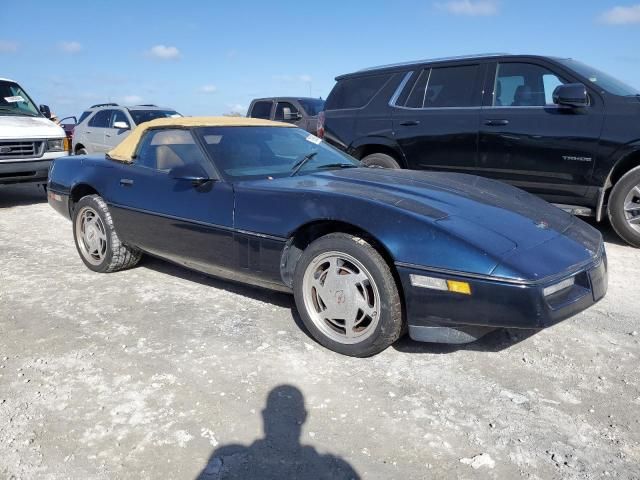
[159, 372]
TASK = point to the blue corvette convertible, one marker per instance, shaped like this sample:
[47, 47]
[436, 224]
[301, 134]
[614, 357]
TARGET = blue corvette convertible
[368, 253]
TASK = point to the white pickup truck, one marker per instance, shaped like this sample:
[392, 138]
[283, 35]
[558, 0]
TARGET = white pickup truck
[29, 141]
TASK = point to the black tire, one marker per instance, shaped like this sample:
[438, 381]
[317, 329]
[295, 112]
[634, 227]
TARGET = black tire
[117, 256]
[389, 325]
[380, 160]
[617, 216]
[82, 151]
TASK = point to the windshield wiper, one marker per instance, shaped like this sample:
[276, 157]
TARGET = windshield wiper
[339, 165]
[16, 112]
[301, 163]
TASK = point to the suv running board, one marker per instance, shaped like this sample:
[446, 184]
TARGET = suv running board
[576, 210]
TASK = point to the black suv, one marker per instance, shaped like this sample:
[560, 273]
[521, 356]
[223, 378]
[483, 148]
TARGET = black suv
[301, 111]
[553, 126]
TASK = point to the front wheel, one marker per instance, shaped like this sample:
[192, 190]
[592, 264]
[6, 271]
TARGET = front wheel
[96, 239]
[380, 160]
[624, 207]
[347, 297]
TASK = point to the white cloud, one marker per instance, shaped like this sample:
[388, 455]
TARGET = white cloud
[69, 47]
[305, 78]
[473, 8]
[164, 52]
[237, 108]
[7, 46]
[208, 89]
[132, 99]
[622, 15]
[293, 78]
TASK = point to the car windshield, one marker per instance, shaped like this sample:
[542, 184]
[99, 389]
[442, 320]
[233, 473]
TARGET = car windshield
[270, 152]
[141, 116]
[312, 106]
[601, 79]
[15, 101]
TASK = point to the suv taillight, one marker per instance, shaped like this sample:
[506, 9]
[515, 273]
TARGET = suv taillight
[320, 127]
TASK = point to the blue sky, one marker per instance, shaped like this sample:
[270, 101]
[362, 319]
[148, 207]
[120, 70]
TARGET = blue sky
[213, 57]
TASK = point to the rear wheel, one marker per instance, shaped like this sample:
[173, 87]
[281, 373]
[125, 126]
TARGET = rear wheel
[624, 207]
[380, 160]
[347, 297]
[96, 239]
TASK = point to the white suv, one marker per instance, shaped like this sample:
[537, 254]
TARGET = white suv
[29, 141]
[103, 126]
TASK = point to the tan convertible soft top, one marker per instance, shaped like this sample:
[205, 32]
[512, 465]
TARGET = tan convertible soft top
[127, 148]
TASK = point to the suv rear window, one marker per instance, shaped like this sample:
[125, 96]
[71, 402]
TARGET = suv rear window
[355, 92]
[445, 87]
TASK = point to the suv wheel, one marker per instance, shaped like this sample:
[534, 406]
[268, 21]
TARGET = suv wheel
[347, 297]
[624, 207]
[380, 160]
[82, 151]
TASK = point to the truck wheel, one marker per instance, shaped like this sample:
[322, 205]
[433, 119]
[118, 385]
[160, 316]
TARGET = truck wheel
[96, 239]
[380, 160]
[347, 297]
[624, 207]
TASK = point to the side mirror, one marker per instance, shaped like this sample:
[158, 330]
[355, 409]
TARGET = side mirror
[288, 115]
[45, 110]
[190, 173]
[121, 125]
[571, 95]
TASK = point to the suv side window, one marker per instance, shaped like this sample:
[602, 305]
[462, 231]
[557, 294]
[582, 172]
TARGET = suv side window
[355, 92]
[101, 119]
[84, 115]
[261, 110]
[445, 87]
[279, 115]
[170, 148]
[118, 116]
[524, 85]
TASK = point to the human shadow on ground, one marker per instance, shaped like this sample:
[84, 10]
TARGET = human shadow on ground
[279, 455]
[19, 195]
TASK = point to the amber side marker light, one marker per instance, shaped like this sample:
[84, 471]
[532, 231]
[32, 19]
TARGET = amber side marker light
[434, 283]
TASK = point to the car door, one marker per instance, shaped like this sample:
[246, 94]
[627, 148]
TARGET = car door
[288, 112]
[118, 129]
[528, 141]
[436, 121]
[157, 207]
[94, 132]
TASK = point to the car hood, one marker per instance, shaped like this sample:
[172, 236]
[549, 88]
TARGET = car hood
[18, 127]
[464, 205]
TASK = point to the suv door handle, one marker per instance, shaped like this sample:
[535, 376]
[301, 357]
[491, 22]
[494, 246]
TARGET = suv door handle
[126, 182]
[410, 123]
[496, 123]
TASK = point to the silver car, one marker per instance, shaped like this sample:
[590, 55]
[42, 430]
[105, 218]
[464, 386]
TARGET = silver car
[105, 125]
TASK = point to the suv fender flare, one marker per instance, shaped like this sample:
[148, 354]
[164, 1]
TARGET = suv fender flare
[627, 157]
[364, 146]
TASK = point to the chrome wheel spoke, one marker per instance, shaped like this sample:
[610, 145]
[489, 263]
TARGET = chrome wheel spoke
[632, 207]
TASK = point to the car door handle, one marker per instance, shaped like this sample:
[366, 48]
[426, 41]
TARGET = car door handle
[496, 123]
[126, 182]
[410, 123]
[107, 135]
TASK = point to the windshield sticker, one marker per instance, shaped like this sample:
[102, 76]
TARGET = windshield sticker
[15, 99]
[212, 139]
[313, 139]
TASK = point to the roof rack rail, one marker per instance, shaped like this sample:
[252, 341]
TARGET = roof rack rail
[104, 105]
[430, 60]
[146, 105]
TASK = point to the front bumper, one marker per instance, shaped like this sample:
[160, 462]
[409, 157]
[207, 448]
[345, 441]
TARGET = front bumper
[28, 170]
[495, 303]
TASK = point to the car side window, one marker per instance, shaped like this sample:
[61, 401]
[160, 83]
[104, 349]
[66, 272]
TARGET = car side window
[170, 148]
[100, 119]
[355, 92]
[279, 115]
[118, 116]
[445, 87]
[261, 110]
[524, 85]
